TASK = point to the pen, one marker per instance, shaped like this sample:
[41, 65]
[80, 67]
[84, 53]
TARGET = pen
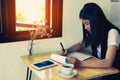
[62, 46]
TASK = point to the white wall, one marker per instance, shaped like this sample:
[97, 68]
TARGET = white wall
[11, 65]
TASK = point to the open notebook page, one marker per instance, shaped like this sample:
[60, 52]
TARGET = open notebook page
[79, 56]
[62, 59]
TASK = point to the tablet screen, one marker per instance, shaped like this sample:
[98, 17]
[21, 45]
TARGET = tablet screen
[44, 64]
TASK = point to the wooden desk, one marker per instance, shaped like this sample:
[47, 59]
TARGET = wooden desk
[51, 73]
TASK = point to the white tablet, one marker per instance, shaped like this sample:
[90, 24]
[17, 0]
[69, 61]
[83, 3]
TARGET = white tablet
[44, 64]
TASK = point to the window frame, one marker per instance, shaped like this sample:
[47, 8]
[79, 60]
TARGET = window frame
[9, 33]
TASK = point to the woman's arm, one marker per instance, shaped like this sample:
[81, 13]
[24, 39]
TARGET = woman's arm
[77, 47]
[74, 48]
[107, 62]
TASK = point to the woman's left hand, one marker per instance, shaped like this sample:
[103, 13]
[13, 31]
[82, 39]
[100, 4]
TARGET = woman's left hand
[75, 61]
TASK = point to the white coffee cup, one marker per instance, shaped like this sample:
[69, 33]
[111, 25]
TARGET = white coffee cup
[67, 69]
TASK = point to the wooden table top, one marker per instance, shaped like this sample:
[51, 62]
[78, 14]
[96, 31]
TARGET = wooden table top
[51, 73]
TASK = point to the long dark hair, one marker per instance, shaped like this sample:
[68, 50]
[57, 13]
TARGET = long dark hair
[98, 23]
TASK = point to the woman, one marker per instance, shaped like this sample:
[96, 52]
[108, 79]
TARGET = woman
[102, 36]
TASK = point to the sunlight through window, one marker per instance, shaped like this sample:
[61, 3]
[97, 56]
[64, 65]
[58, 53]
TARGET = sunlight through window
[28, 12]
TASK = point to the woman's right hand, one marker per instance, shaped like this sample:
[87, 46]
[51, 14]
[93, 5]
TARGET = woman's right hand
[64, 53]
[75, 61]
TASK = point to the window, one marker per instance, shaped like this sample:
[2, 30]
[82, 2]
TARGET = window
[15, 24]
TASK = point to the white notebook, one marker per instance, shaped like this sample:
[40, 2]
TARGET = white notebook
[62, 59]
[58, 58]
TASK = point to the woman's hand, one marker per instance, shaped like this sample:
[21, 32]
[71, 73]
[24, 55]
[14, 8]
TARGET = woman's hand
[63, 53]
[75, 61]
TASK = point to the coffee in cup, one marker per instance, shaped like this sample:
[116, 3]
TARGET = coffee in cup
[67, 69]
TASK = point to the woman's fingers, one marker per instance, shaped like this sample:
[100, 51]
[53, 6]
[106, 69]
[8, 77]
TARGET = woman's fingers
[63, 53]
[73, 60]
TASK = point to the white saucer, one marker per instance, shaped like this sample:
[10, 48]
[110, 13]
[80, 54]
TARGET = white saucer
[65, 75]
